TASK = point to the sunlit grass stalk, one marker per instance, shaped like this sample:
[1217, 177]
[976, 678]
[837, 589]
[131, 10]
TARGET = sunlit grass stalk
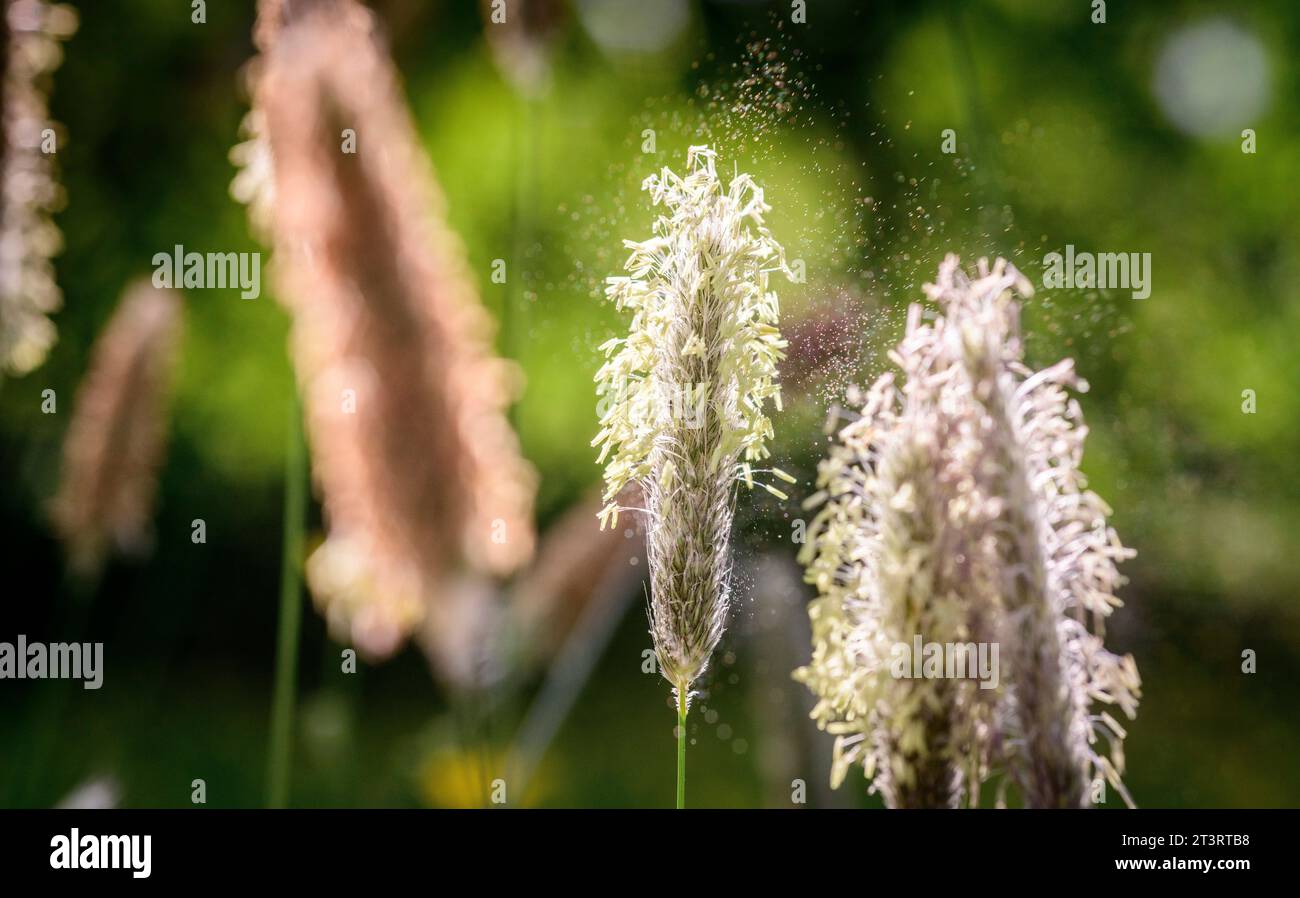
[287, 634]
[681, 749]
[686, 393]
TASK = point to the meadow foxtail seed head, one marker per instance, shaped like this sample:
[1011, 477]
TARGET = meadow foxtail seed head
[117, 436]
[687, 393]
[30, 31]
[953, 508]
[426, 495]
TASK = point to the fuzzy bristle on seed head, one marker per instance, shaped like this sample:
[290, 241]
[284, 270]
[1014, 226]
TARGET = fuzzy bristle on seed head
[1014, 550]
[423, 483]
[30, 31]
[117, 436]
[688, 391]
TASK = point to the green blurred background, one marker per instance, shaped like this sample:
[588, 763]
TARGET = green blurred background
[1122, 136]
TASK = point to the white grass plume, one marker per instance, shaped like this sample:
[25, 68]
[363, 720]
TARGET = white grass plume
[688, 390]
[955, 509]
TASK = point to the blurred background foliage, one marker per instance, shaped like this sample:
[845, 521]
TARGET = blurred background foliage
[1123, 136]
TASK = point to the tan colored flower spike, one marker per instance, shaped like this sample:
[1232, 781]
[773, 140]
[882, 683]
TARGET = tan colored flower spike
[423, 483]
[116, 438]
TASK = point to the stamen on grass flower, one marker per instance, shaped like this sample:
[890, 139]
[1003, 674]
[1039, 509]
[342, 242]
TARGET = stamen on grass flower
[689, 387]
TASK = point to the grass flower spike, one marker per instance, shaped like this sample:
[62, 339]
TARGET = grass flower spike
[117, 436]
[426, 495]
[954, 510]
[687, 393]
[30, 34]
